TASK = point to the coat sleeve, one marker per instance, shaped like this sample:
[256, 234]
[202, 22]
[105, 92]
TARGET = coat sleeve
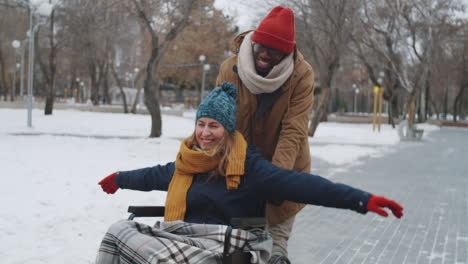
[272, 182]
[295, 123]
[146, 179]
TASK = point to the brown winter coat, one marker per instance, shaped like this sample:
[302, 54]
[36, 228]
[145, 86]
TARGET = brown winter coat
[281, 132]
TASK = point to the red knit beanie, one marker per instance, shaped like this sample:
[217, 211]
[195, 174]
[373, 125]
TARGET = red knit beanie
[277, 30]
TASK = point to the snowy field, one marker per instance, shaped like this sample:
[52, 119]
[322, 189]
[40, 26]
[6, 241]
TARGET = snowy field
[52, 209]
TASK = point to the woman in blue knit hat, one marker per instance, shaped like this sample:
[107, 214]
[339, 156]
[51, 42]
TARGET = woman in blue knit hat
[217, 176]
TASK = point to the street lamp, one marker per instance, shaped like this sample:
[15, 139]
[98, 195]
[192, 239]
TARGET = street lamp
[378, 98]
[84, 93]
[356, 92]
[206, 68]
[136, 70]
[202, 59]
[17, 67]
[139, 99]
[380, 79]
[78, 90]
[16, 44]
[45, 10]
[23, 46]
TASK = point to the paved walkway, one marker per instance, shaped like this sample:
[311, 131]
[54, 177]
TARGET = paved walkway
[429, 178]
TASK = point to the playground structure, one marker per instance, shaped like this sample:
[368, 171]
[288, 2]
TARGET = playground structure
[407, 130]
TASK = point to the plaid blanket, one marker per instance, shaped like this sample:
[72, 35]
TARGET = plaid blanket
[178, 242]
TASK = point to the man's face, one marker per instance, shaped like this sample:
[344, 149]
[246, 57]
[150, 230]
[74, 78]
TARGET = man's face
[265, 58]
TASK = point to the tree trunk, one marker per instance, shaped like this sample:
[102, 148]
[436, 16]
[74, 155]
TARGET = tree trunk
[50, 90]
[135, 102]
[392, 110]
[427, 90]
[434, 106]
[101, 74]
[457, 105]
[320, 111]
[105, 85]
[3, 83]
[152, 103]
[95, 71]
[119, 84]
[151, 99]
[93, 78]
[157, 52]
[138, 94]
[411, 109]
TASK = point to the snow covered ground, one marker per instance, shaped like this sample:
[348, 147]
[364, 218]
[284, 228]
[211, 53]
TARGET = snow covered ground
[52, 209]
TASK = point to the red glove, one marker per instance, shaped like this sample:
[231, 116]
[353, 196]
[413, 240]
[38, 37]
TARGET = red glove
[108, 184]
[376, 203]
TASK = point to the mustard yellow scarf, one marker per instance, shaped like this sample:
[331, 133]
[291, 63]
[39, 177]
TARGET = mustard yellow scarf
[190, 162]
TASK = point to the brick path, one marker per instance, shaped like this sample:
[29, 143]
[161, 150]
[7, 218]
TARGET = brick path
[430, 178]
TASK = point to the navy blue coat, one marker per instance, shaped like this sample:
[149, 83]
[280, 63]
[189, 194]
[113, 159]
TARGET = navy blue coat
[210, 202]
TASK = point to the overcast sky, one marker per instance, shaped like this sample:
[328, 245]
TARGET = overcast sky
[248, 13]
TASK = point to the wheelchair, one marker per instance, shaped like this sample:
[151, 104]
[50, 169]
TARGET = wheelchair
[238, 256]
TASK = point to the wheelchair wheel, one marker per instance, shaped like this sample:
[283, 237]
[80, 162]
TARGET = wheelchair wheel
[279, 260]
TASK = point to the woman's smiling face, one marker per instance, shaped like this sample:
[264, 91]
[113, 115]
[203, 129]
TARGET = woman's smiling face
[208, 132]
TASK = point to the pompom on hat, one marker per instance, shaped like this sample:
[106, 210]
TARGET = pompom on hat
[277, 30]
[220, 105]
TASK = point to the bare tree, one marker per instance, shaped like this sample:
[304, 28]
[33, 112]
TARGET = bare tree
[177, 14]
[138, 93]
[378, 43]
[462, 76]
[401, 39]
[323, 34]
[426, 21]
[209, 34]
[90, 30]
[50, 71]
[12, 27]
[119, 84]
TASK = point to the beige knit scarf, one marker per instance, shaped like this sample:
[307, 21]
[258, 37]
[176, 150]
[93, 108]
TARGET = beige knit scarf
[190, 162]
[249, 76]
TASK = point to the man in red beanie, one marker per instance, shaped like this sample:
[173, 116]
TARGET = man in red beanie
[275, 95]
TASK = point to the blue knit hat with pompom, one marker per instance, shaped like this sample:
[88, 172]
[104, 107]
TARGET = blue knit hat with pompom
[220, 105]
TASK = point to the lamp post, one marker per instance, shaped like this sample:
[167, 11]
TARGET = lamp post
[136, 70]
[83, 92]
[380, 79]
[16, 44]
[206, 68]
[30, 66]
[23, 46]
[77, 90]
[356, 92]
[380, 97]
[17, 67]
[127, 78]
[44, 9]
[202, 59]
[139, 99]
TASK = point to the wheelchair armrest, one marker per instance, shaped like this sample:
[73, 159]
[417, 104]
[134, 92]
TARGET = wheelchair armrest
[145, 211]
[242, 223]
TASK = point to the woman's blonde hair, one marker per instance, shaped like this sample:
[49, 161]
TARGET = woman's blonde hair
[220, 151]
